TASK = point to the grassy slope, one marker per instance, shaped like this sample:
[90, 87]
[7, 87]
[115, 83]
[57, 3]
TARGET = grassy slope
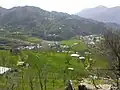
[20, 37]
[79, 47]
[33, 40]
[55, 63]
[70, 42]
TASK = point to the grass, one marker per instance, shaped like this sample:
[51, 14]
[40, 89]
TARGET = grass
[24, 38]
[101, 61]
[33, 40]
[80, 46]
[50, 63]
[54, 62]
[70, 42]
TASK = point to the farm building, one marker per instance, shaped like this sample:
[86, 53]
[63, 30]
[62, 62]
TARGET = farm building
[29, 47]
[23, 64]
[4, 70]
[82, 58]
[87, 53]
[75, 55]
[71, 69]
[20, 63]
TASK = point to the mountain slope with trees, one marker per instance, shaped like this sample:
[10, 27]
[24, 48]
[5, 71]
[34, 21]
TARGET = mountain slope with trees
[36, 22]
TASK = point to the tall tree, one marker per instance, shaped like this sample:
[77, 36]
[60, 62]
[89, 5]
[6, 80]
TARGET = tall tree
[110, 47]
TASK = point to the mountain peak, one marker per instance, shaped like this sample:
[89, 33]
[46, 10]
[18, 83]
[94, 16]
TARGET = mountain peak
[101, 6]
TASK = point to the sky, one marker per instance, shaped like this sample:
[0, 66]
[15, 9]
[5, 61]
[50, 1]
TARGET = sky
[68, 6]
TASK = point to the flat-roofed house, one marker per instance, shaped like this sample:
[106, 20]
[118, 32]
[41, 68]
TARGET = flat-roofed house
[75, 55]
[3, 70]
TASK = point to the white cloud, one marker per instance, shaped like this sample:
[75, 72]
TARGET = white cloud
[70, 6]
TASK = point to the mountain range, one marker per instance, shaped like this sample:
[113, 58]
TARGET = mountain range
[36, 22]
[102, 14]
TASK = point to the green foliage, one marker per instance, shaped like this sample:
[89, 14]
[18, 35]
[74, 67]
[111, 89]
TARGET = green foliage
[80, 46]
[70, 42]
[100, 60]
[33, 40]
[23, 37]
[51, 65]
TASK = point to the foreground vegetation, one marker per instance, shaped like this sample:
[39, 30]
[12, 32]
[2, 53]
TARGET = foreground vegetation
[47, 69]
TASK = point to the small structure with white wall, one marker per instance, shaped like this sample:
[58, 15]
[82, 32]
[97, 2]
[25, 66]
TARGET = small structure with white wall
[82, 58]
[71, 69]
[75, 55]
[86, 53]
[3, 70]
[23, 64]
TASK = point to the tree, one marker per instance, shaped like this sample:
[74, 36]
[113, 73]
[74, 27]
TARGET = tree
[89, 67]
[69, 85]
[31, 83]
[39, 77]
[110, 47]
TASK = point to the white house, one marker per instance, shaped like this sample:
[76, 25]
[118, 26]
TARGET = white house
[71, 69]
[63, 51]
[76, 52]
[21, 63]
[29, 47]
[86, 52]
[75, 55]
[82, 58]
[4, 70]
[58, 51]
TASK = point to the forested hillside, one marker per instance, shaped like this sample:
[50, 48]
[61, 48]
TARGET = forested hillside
[37, 22]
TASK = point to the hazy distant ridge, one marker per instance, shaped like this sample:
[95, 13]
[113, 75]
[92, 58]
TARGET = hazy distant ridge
[102, 13]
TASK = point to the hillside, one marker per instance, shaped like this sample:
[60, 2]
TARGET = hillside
[36, 22]
[52, 66]
[102, 13]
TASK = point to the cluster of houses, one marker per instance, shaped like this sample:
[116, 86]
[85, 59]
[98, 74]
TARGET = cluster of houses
[78, 56]
[63, 47]
[29, 47]
[91, 39]
[82, 58]
[88, 40]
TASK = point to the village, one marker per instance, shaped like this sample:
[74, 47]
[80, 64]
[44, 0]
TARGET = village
[84, 57]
